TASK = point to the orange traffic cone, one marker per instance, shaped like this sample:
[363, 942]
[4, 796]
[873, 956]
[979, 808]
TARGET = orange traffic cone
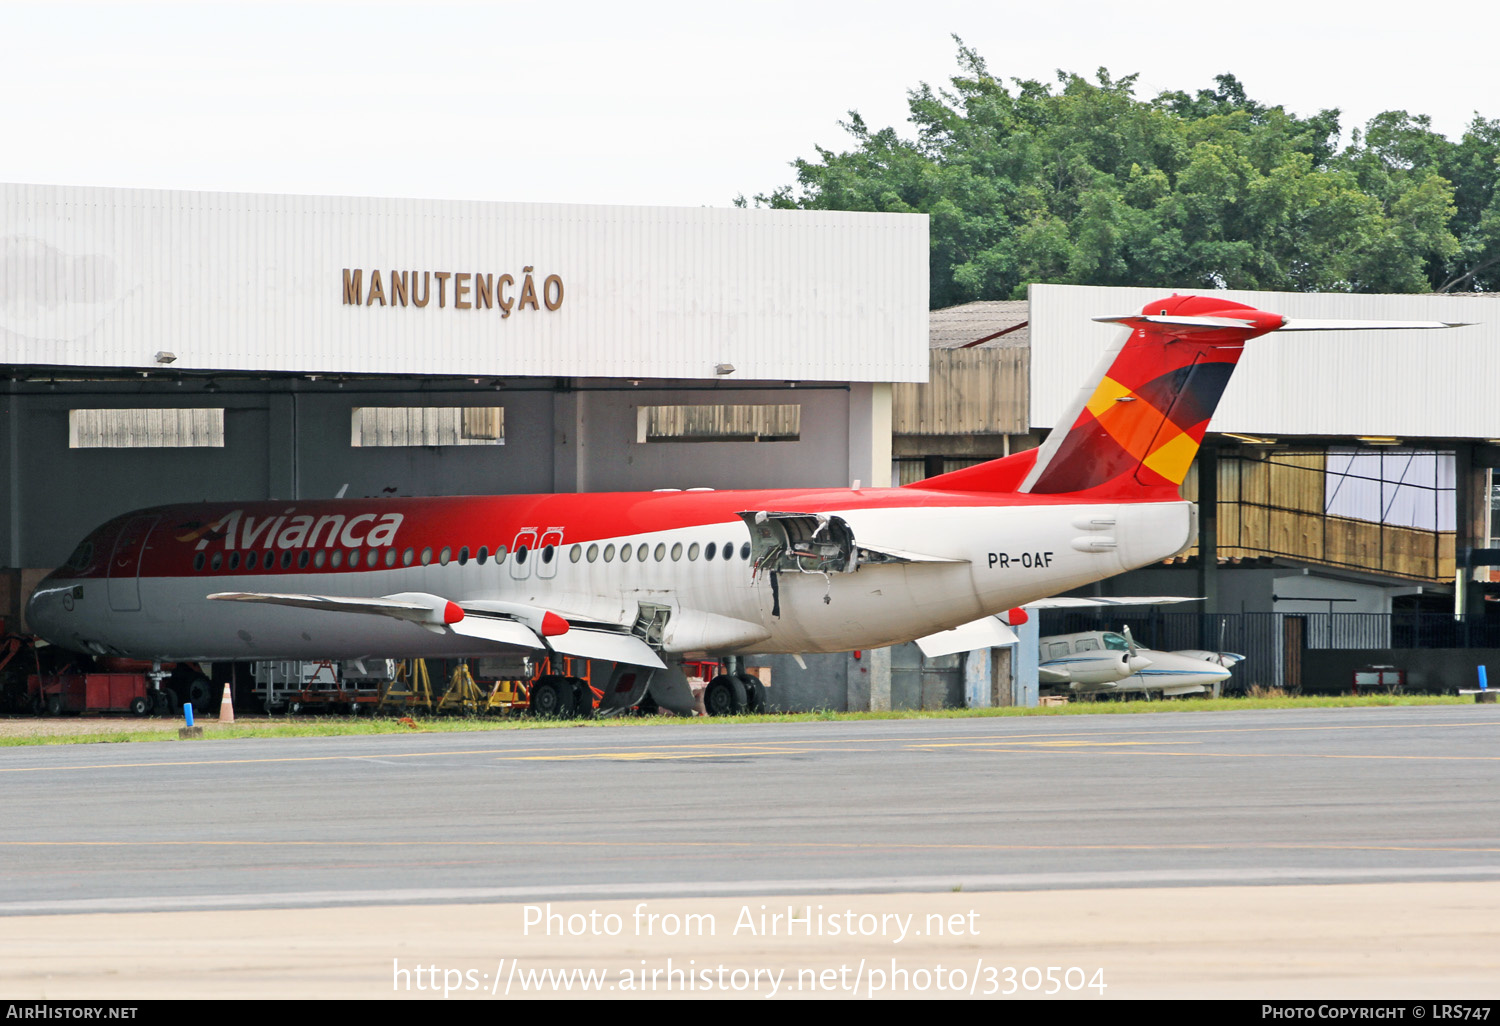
[226, 707]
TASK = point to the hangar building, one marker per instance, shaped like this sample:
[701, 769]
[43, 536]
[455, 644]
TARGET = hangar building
[172, 346]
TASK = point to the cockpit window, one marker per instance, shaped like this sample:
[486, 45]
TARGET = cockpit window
[82, 556]
[1116, 643]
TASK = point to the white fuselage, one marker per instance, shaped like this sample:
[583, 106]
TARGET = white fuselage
[967, 561]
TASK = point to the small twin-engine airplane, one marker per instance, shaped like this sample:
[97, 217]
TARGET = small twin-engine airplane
[645, 580]
[1103, 662]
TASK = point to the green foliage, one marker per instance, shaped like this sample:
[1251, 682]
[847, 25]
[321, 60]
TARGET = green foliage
[1081, 182]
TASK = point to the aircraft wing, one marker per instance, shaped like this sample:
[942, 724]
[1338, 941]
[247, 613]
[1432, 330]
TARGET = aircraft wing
[986, 632]
[508, 624]
[426, 610]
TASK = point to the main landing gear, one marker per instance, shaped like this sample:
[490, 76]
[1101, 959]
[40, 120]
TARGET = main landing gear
[555, 697]
[733, 693]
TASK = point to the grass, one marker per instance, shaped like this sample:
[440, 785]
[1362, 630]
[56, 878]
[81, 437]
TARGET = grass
[338, 726]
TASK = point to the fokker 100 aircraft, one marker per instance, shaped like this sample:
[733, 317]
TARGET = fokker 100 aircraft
[644, 580]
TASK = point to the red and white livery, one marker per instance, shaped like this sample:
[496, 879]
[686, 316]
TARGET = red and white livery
[645, 580]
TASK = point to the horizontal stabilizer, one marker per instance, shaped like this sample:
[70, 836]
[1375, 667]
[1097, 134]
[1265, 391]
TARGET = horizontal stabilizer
[986, 632]
[1186, 324]
[1305, 324]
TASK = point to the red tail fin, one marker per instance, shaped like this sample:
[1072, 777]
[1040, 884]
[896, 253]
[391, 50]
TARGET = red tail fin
[1137, 424]
[1134, 429]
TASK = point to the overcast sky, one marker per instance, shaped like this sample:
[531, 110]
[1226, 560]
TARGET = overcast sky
[652, 103]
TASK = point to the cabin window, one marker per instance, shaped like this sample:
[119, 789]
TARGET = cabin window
[745, 550]
[729, 550]
[547, 553]
[625, 552]
[249, 561]
[390, 557]
[319, 558]
[234, 561]
[426, 425]
[427, 555]
[593, 553]
[609, 553]
[676, 551]
[711, 551]
[303, 558]
[1086, 645]
[693, 551]
[286, 560]
[661, 552]
[484, 555]
[500, 551]
[408, 557]
[198, 561]
[640, 553]
[463, 556]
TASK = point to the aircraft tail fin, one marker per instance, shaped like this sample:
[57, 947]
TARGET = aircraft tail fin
[1137, 423]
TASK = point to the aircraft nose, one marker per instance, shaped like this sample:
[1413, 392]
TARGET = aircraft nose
[47, 609]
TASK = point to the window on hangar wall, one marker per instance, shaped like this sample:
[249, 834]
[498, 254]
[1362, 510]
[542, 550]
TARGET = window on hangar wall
[146, 429]
[771, 422]
[427, 425]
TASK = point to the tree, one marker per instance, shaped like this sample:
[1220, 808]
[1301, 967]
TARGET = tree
[1084, 183]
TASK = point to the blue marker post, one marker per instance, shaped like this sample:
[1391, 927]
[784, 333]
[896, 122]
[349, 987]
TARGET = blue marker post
[1484, 694]
[189, 731]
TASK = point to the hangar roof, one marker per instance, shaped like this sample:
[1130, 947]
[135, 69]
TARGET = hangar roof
[987, 324]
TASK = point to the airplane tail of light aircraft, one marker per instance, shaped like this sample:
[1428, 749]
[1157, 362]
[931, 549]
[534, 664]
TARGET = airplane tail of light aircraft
[646, 580]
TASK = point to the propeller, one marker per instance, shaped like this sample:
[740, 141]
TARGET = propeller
[1133, 660]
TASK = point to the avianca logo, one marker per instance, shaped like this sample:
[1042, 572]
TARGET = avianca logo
[284, 531]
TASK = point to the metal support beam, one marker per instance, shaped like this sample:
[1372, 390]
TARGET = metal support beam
[1208, 539]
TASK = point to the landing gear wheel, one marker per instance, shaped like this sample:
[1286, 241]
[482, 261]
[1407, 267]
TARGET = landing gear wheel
[54, 705]
[583, 699]
[552, 698]
[647, 705]
[161, 703]
[725, 696]
[200, 692]
[294, 708]
[755, 692]
[140, 705]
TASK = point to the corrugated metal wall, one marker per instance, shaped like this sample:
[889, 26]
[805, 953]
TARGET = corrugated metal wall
[968, 391]
[1412, 384]
[111, 277]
